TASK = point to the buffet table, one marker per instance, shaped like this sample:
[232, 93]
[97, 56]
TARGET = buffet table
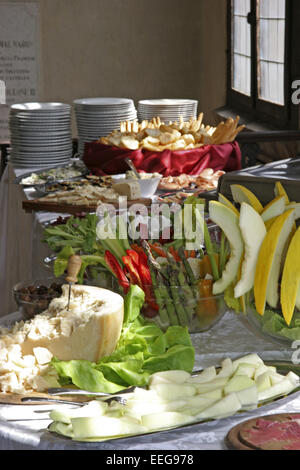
[24, 427]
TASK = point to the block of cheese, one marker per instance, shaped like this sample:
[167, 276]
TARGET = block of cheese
[130, 189]
[89, 330]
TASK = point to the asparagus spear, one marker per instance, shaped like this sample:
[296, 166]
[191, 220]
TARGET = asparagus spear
[187, 295]
[160, 299]
[161, 286]
[180, 309]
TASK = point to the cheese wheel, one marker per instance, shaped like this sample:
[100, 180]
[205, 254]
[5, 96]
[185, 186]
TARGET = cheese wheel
[89, 330]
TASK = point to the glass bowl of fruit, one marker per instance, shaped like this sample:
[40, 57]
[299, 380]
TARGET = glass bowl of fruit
[34, 296]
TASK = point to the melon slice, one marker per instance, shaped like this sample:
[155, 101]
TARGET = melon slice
[227, 203]
[228, 221]
[222, 408]
[280, 191]
[269, 263]
[253, 232]
[274, 208]
[291, 279]
[242, 194]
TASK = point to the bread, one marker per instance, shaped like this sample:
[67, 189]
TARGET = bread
[89, 330]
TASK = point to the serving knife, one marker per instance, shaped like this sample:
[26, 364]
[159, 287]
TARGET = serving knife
[74, 265]
[132, 167]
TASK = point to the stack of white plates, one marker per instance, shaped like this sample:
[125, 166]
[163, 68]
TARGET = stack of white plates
[167, 109]
[98, 117]
[40, 134]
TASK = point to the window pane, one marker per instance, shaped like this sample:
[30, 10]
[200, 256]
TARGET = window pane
[241, 47]
[271, 47]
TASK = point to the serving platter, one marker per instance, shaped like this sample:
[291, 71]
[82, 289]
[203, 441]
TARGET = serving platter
[282, 367]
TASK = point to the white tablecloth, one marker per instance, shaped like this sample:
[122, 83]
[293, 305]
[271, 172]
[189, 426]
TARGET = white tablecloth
[25, 426]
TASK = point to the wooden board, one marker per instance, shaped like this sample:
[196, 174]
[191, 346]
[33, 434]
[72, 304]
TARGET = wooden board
[237, 438]
[37, 205]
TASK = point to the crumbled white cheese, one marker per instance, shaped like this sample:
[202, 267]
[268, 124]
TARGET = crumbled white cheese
[24, 353]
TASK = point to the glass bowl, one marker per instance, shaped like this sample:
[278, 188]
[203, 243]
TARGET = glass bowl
[182, 306]
[272, 325]
[34, 296]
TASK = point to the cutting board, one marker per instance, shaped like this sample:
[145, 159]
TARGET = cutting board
[238, 437]
[37, 205]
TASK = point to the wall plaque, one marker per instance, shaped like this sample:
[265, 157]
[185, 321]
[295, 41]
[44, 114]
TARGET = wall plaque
[19, 53]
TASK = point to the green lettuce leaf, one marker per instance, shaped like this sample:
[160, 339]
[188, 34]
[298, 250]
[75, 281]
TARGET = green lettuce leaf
[143, 349]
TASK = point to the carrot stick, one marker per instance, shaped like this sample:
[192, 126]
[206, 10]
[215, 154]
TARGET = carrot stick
[207, 302]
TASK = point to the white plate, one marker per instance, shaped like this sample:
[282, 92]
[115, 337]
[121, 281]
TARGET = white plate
[39, 106]
[104, 101]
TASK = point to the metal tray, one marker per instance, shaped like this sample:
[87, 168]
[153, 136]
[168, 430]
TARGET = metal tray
[282, 367]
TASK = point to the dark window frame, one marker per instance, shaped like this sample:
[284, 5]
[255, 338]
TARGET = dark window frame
[254, 108]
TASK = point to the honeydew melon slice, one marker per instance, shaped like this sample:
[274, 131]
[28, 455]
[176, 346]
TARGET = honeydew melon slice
[226, 368]
[89, 427]
[263, 382]
[294, 378]
[174, 391]
[206, 375]
[242, 194]
[65, 414]
[221, 409]
[274, 208]
[262, 369]
[253, 232]
[227, 203]
[139, 407]
[199, 402]
[215, 384]
[228, 221]
[169, 376]
[269, 263]
[165, 420]
[61, 428]
[248, 396]
[216, 394]
[282, 388]
[245, 369]
[237, 383]
[253, 359]
[290, 282]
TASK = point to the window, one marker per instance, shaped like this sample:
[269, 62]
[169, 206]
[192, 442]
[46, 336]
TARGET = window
[261, 61]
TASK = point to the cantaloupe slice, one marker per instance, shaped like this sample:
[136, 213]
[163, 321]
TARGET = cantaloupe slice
[242, 194]
[266, 281]
[291, 279]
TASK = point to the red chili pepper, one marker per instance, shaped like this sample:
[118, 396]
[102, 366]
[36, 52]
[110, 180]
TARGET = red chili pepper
[114, 265]
[147, 281]
[133, 255]
[133, 270]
